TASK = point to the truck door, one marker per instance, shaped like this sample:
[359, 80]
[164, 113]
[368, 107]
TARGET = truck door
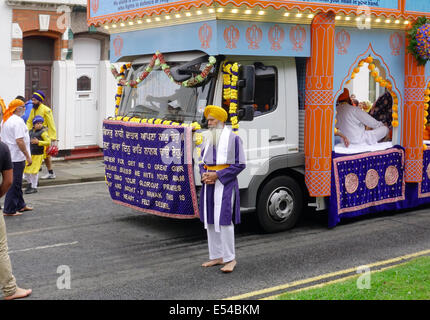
[274, 130]
[279, 199]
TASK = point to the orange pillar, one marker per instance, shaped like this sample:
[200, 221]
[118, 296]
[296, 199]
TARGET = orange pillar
[413, 118]
[319, 106]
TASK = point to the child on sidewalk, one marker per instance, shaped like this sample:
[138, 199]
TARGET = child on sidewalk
[39, 139]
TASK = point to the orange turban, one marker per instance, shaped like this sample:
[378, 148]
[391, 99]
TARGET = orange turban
[345, 96]
[216, 112]
[11, 109]
[3, 106]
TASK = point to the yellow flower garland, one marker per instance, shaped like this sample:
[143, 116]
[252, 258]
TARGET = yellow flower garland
[230, 92]
[195, 125]
[119, 91]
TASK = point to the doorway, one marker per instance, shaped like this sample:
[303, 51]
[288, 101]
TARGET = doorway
[86, 108]
[38, 55]
[86, 54]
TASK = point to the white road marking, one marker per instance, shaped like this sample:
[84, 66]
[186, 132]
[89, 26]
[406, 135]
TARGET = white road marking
[33, 231]
[45, 247]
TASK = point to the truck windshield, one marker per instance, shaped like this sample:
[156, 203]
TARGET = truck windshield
[159, 97]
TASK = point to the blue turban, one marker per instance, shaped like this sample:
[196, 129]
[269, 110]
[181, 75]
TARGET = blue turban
[39, 95]
[38, 119]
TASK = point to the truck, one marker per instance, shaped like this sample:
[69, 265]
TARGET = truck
[293, 59]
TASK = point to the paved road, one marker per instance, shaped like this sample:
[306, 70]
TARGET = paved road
[116, 253]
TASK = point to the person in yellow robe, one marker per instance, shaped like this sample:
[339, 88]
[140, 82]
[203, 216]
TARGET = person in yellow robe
[39, 109]
[39, 139]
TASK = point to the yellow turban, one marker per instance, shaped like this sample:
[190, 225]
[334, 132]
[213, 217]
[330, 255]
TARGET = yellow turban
[216, 112]
[11, 108]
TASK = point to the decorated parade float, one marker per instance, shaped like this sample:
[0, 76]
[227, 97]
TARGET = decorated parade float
[278, 68]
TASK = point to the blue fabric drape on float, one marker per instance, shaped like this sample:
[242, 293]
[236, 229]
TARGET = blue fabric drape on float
[419, 193]
[366, 182]
[149, 168]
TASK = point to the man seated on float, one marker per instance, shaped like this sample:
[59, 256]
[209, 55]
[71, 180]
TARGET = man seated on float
[173, 111]
[352, 122]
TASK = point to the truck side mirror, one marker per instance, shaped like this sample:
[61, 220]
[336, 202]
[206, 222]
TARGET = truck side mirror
[246, 112]
[246, 84]
[186, 70]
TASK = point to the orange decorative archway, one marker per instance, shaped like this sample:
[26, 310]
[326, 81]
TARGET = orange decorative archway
[319, 104]
[362, 57]
[389, 82]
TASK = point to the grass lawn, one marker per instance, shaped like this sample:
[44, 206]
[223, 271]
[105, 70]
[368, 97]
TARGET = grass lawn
[409, 281]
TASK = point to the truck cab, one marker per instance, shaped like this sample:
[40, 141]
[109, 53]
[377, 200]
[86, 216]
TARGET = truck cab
[271, 186]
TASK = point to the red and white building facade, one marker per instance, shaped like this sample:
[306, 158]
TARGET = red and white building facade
[47, 45]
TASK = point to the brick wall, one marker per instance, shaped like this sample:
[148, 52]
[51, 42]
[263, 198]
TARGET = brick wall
[28, 21]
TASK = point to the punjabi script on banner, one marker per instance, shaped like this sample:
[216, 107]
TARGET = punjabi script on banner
[149, 168]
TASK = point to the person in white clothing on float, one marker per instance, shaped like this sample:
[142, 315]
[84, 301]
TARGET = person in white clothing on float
[352, 122]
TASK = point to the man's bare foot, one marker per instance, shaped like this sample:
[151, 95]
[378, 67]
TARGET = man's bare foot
[26, 208]
[13, 214]
[212, 263]
[20, 293]
[229, 266]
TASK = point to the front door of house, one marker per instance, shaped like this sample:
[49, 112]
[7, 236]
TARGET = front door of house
[38, 54]
[86, 54]
[38, 77]
[86, 106]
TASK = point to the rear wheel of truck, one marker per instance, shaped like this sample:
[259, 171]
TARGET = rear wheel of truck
[279, 204]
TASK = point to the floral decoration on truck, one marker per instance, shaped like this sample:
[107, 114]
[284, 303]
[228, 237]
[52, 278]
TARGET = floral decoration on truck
[158, 61]
[419, 40]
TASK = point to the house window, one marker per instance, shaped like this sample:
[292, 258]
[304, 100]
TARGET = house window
[84, 84]
[38, 49]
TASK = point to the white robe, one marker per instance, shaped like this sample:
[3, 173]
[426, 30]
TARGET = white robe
[220, 202]
[352, 122]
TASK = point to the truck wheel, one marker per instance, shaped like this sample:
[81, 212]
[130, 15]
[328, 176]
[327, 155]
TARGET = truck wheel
[279, 204]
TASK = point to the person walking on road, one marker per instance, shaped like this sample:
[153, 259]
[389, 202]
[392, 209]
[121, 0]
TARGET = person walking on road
[223, 159]
[7, 280]
[39, 109]
[39, 139]
[15, 135]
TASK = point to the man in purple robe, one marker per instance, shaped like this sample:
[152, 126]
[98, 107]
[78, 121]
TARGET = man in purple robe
[223, 159]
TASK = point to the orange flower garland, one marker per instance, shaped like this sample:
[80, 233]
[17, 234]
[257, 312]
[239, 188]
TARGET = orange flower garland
[382, 82]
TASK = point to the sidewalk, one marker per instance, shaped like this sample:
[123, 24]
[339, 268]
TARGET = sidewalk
[74, 171]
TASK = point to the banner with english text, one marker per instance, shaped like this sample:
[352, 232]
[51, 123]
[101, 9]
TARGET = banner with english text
[149, 168]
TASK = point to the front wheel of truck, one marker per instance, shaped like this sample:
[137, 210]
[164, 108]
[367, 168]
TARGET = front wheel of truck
[279, 204]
